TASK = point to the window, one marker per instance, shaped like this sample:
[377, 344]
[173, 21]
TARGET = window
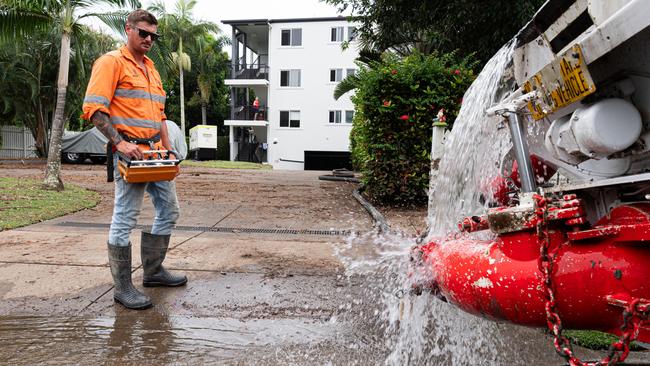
[290, 78]
[291, 37]
[337, 34]
[349, 72]
[290, 119]
[335, 116]
[352, 33]
[336, 75]
[349, 115]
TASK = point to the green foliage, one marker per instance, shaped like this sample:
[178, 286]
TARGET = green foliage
[223, 148]
[28, 76]
[217, 105]
[478, 27]
[396, 103]
[32, 33]
[594, 340]
[25, 202]
[203, 44]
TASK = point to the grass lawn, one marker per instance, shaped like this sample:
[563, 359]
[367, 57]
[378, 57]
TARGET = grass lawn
[223, 164]
[23, 202]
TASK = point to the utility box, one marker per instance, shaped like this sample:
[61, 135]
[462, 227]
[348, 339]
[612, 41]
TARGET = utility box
[203, 142]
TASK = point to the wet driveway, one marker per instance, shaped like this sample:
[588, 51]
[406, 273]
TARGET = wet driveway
[282, 269]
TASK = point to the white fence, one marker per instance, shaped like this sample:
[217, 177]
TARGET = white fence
[16, 143]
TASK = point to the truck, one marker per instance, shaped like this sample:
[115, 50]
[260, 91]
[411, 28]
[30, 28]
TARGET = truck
[568, 253]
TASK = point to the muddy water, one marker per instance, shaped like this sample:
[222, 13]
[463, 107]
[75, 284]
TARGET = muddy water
[159, 339]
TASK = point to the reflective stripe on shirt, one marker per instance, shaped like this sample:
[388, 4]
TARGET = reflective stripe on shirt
[134, 122]
[97, 99]
[139, 94]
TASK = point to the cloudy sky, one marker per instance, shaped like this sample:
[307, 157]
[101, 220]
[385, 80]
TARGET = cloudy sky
[218, 10]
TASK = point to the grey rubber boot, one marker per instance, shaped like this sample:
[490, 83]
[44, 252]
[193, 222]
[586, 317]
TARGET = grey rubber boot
[153, 249]
[119, 258]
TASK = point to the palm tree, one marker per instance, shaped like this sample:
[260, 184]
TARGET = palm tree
[209, 66]
[179, 29]
[21, 17]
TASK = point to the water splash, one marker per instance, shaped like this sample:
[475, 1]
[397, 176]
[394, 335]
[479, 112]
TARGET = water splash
[421, 329]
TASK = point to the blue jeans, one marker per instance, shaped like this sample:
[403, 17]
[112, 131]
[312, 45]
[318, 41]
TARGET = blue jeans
[128, 203]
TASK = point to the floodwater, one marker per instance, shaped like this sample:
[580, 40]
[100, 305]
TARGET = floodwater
[316, 324]
[153, 337]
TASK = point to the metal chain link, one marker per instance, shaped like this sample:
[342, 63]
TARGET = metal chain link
[619, 350]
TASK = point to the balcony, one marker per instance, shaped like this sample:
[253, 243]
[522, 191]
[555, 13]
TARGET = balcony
[248, 74]
[250, 71]
[246, 116]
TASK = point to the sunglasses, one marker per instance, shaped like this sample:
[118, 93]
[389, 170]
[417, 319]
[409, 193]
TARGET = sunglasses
[144, 34]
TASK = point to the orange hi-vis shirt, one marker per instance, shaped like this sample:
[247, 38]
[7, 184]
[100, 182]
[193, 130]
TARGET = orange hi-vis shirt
[134, 100]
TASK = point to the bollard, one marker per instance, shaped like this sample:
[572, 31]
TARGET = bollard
[437, 149]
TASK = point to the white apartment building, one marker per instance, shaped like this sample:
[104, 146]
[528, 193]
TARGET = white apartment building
[292, 66]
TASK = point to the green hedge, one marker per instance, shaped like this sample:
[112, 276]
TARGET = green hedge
[223, 148]
[396, 102]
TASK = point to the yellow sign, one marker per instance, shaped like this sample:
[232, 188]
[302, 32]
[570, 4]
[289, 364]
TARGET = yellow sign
[561, 83]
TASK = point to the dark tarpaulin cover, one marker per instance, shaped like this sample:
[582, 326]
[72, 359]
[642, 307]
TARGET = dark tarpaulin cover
[545, 16]
[87, 142]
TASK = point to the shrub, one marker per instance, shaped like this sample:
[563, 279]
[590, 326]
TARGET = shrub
[396, 102]
[223, 148]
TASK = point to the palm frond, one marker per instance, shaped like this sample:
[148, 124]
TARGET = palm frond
[115, 20]
[158, 8]
[350, 83]
[17, 23]
[77, 32]
[161, 56]
[368, 56]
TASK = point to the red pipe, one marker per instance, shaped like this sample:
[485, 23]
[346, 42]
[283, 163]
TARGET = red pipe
[500, 279]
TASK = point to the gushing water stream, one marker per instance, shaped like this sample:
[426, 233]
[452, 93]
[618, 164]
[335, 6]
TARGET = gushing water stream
[421, 329]
[473, 150]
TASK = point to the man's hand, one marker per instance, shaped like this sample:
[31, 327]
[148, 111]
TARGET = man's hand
[129, 150]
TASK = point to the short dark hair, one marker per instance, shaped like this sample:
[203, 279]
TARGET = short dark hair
[141, 15]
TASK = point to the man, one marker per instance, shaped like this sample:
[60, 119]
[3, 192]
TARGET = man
[125, 101]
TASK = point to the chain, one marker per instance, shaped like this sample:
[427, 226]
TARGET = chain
[632, 316]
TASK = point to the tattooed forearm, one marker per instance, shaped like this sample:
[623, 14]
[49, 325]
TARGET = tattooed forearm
[103, 124]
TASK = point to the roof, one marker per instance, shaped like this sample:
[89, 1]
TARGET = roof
[289, 20]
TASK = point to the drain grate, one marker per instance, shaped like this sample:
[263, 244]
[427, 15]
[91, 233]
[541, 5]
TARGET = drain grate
[234, 230]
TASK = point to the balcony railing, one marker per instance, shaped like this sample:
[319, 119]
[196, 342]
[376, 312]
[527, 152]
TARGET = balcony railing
[248, 71]
[243, 113]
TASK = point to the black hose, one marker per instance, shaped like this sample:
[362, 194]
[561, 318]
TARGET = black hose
[339, 179]
[380, 220]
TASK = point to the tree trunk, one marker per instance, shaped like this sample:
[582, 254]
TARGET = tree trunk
[39, 130]
[52, 179]
[204, 113]
[180, 67]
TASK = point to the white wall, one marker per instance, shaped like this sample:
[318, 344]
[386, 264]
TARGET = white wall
[313, 98]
